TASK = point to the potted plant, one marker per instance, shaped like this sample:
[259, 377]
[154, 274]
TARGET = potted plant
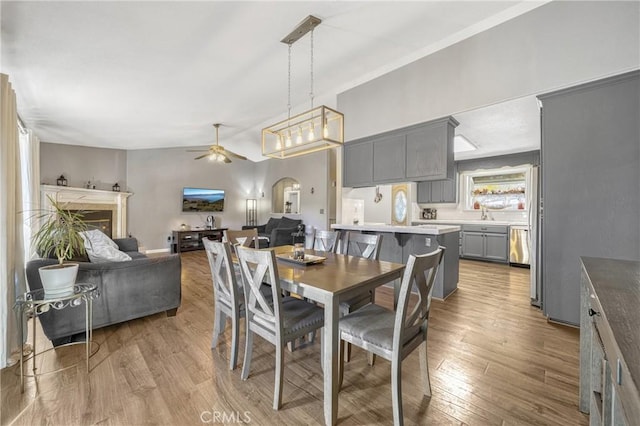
[60, 236]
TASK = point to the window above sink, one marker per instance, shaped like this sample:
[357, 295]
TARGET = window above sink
[502, 189]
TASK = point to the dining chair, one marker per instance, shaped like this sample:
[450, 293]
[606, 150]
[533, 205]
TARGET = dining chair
[394, 335]
[325, 240]
[360, 245]
[286, 319]
[228, 294]
[247, 237]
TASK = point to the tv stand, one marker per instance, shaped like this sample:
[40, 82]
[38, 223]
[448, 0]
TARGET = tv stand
[192, 240]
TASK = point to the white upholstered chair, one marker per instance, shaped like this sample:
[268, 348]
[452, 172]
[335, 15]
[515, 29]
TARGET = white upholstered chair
[227, 293]
[286, 319]
[394, 335]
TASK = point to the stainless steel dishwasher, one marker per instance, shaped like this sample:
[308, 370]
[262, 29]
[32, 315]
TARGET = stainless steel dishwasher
[519, 244]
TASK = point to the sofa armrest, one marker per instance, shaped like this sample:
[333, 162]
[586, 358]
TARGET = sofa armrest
[282, 236]
[128, 290]
[126, 244]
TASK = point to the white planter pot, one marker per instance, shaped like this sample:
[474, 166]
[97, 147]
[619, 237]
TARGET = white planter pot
[58, 280]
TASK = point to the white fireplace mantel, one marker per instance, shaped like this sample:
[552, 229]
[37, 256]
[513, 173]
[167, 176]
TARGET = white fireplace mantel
[82, 198]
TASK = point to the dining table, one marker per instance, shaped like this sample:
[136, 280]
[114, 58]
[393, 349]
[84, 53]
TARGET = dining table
[327, 281]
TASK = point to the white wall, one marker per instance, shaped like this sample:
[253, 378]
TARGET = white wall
[311, 171]
[557, 45]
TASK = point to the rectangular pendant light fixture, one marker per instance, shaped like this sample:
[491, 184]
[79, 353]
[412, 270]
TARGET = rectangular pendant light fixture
[314, 130]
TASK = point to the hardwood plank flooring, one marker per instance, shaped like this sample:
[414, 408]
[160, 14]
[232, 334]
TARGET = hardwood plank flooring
[493, 359]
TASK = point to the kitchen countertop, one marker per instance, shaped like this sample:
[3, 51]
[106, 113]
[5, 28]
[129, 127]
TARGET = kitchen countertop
[468, 221]
[428, 229]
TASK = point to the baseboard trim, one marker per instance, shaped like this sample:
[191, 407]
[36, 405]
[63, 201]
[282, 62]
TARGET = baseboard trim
[163, 250]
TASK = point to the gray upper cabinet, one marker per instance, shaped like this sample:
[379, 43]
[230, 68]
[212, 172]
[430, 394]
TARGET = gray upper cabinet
[430, 150]
[421, 152]
[358, 164]
[439, 191]
[389, 157]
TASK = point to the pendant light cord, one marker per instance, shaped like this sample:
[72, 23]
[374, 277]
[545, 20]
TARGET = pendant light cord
[311, 92]
[289, 86]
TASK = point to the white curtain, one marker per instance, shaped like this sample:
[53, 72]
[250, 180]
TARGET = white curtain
[30, 168]
[12, 276]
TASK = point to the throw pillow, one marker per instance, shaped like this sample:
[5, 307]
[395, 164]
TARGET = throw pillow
[101, 248]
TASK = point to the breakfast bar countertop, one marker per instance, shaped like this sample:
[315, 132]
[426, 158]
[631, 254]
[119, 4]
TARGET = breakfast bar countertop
[427, 229]
[468, 221]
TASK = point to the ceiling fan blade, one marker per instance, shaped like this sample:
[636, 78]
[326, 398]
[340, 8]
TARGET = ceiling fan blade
[201, 156]
[226, 159]
[233, 154]
[197, 150]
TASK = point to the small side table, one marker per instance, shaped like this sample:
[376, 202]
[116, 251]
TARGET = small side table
[33, 303]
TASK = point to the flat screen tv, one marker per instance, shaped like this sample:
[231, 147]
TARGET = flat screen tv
[202, 200]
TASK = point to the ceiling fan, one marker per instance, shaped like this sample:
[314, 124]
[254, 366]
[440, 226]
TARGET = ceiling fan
[217, 152]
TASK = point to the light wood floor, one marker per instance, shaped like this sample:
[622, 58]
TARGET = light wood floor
[493, 359]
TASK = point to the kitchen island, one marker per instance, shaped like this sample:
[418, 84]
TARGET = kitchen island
[398, 242]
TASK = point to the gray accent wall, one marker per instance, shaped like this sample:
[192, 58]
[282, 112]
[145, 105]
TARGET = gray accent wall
[556, 45]
[156, 177]
[79, 164]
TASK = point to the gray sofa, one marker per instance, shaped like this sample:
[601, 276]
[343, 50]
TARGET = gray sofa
[278, 230]
[128, 290]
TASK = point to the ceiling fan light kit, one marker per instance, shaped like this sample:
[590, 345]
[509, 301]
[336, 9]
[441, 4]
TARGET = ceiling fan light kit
[217, 153]
[314, 130]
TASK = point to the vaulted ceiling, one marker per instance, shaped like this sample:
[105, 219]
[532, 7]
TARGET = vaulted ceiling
[140, 75]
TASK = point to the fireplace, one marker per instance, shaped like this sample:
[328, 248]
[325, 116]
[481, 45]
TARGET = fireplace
[110, 207]
[97, 219]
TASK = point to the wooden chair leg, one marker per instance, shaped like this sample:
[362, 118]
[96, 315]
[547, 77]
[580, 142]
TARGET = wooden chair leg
[371, 358]
[396, 389]
[248, 348]
[235, 341]
[341, 364]
[277, 391]
[424, 368]
[348, 352]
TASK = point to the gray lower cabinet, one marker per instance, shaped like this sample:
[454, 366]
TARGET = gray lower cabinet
[489, 242]
[396, 247]
[609, 356]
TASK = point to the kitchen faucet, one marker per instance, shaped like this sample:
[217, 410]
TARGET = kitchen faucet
[483, 213]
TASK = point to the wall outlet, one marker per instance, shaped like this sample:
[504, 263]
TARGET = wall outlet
[427, 242]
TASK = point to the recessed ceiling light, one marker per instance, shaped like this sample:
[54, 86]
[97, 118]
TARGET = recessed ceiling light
[462, 144]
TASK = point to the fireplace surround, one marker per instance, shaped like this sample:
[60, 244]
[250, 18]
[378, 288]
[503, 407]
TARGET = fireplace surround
[91, 200]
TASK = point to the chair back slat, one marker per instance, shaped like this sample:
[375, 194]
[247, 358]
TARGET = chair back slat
[258, 267]
[362, 245]
[225, 284]
[326, 240]
[419, 273]
[249, 236]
